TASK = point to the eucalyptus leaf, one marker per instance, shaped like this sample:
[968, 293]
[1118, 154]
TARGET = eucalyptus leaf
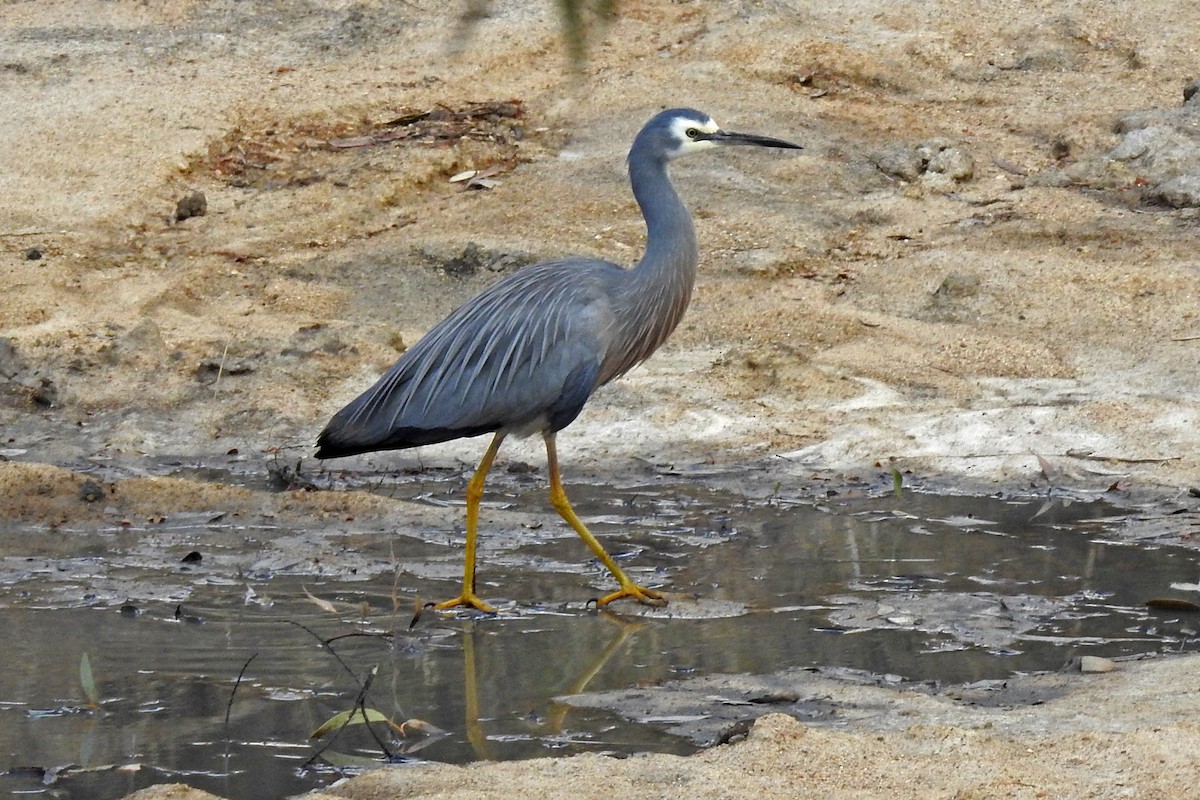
[353, 716]
[88, 681]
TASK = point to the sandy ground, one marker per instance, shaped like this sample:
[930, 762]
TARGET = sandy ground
[1009, 307]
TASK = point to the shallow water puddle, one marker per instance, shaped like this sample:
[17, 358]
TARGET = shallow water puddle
[950, 589]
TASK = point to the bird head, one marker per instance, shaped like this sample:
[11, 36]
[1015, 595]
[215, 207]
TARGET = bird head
[679, 131]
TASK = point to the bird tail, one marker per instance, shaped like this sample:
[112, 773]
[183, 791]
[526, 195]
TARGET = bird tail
[346, 435]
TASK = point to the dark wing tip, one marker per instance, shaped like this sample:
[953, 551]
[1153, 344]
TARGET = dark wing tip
[333, 444]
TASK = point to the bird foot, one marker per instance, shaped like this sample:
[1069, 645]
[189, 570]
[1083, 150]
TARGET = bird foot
[468, 599]
[647, 597]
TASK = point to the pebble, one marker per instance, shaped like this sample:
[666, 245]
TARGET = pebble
[193, 205]
[1160, 148]
[1182, 191]
[938, 163]
[90, 491]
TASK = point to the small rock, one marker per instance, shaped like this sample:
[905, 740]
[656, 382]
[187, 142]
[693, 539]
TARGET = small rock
[958, 285]
[1096, 664]
[144, 339]
[937, 162]
[91, 491]
[43, 392]
[1161, 149]
[193, 205]
[899, 161]
[1182, 191]
[937, 182]
[952, 162]
[33, 254]
[1140, 142]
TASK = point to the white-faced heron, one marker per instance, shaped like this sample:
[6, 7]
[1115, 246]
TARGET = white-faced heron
[524, 355]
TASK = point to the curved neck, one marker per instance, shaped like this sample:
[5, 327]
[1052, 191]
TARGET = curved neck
[671, 248]
[651, 302]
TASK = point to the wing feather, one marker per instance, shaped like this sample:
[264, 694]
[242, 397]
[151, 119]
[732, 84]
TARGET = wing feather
[526, 350]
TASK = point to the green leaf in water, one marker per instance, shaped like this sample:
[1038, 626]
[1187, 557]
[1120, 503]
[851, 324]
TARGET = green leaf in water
[354, 716]
[897, 482]
[88, 681]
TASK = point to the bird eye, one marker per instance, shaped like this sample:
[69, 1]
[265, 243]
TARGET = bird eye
[692, 133]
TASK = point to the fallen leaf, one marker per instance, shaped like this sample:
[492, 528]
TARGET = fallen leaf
[324, 605]
[88, 682]
[420, 726]
[354, 716]
[1044, 466]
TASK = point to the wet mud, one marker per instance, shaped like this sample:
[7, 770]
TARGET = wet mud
[778, 604]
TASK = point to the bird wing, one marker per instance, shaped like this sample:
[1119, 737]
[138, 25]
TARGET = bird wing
[523, 354]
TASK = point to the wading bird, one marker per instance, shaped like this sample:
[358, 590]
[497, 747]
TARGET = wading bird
[524, 355]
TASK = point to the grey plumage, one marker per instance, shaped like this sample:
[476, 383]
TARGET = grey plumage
[525, 355]
[512, 369]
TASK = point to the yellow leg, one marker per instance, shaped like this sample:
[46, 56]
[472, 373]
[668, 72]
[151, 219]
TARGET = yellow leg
[558, 497]
[474, 495]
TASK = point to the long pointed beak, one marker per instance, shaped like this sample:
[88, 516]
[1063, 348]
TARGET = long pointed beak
[728, 137]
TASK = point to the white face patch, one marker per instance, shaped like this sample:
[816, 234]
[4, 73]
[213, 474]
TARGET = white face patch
[684, 131]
